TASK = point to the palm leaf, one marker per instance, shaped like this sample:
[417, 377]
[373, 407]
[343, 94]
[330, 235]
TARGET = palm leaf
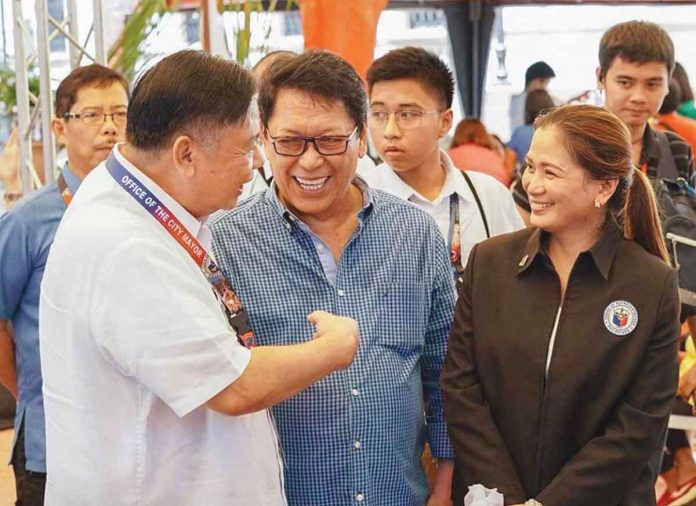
[125, 53]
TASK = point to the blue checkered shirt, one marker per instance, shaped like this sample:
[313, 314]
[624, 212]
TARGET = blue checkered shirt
[357, 435]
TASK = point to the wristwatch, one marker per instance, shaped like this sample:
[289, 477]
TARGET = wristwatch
[532, 502]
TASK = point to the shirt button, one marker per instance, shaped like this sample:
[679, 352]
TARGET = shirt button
[355, 392]
[287, 225]
[341, 293]
[357, 445]
[359, 497]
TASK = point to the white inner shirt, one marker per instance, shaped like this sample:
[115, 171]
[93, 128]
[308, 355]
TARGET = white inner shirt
[501, 213]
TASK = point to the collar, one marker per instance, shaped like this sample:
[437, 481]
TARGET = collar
[272, 198]
[71, 179]
[192, 224]
[602, 252]
[454, 182]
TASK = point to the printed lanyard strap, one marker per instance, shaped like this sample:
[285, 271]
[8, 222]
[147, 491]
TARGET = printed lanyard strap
[454, 231]
[236, 315]
[454, 237]
[64, 190]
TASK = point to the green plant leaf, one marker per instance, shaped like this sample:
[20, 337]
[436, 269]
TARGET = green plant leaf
[128, 49]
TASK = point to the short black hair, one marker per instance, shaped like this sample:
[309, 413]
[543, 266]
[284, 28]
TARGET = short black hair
[673, 99]
[321, 75]
[538, 70]
[189, 90]
[636, 42]
[89, 76]
[414, 63]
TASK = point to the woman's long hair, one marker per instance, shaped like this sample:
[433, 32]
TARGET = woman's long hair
[600, 143]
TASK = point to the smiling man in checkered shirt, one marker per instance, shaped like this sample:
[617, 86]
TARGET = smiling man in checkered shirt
[320, 238]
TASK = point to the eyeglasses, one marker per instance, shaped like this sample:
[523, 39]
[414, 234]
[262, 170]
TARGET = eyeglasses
[405, 120]
[93, 118]
[326, 145]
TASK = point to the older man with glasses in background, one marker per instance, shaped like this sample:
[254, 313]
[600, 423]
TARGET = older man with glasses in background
[91, 111]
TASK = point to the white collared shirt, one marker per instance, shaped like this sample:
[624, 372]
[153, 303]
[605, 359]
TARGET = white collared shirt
[133, 345]
[501, 214]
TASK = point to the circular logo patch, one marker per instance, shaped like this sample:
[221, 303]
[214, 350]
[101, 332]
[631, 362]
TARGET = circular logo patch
[620, 317]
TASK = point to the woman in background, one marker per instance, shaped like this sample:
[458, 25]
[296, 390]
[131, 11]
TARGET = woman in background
[473, 149]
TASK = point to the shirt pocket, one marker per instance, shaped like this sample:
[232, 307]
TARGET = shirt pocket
[402, 317]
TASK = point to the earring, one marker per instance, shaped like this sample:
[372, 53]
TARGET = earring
[597, 204]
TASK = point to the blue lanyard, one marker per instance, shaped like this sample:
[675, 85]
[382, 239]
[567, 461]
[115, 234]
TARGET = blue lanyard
[234, 310]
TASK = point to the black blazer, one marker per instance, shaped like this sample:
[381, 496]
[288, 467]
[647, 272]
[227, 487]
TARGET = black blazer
[585, 433]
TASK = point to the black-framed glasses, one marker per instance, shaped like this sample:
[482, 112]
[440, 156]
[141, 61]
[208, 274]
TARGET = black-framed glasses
[93, 118]
[326, 145]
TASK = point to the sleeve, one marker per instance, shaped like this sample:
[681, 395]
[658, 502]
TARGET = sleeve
[609, 464]
[501, 214]
[481, 454]
[17, 263]
[439, 322]
[155, 318]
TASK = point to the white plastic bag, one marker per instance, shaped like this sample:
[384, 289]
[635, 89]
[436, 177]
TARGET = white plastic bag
[479, 495]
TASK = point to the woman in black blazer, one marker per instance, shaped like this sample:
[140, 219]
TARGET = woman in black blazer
[562, 361]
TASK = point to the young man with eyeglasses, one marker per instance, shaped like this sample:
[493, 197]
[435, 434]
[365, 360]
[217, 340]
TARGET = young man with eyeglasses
[410, 92]
[320, 237]
[91, 104]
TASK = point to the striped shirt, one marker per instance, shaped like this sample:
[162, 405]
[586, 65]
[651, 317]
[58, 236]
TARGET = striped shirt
[357, 435]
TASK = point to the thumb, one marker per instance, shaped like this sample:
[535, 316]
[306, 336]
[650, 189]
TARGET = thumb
[316, 317]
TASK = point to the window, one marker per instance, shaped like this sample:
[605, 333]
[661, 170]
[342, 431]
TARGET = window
[292, 24]
[426, 18]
